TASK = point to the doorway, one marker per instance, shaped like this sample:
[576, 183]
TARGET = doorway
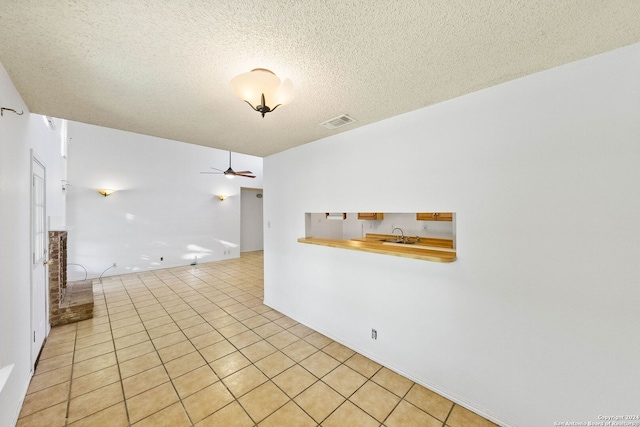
[38, 257]
[251, 227]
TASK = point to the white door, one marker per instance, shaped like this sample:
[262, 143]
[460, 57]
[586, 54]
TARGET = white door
[251, 228]
[39, 249]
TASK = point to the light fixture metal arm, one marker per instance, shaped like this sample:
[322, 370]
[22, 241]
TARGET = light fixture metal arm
[262, 109]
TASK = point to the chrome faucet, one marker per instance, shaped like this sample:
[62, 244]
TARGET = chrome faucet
[401, 232]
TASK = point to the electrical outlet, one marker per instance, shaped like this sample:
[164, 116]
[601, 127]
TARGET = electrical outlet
[374, 334]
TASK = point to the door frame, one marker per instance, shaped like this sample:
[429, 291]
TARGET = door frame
[245, 191]
[33, 262]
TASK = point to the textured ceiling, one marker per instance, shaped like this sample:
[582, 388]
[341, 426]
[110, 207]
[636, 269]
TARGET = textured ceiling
[163, 68]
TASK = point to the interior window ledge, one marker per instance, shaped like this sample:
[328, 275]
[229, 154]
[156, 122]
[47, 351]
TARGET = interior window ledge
[5, 372]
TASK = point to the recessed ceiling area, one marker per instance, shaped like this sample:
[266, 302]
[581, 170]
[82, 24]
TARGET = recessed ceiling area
[163, 68]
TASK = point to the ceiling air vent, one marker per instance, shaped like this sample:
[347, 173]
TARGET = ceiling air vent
[337, 122]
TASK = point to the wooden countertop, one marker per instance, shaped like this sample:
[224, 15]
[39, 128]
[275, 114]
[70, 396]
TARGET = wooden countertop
[369, 244]
[432, 242]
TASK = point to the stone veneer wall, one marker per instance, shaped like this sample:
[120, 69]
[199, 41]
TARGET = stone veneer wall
[57, 271]
[66, 305]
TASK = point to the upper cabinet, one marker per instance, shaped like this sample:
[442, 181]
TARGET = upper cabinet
[434, 216]
[370, 215]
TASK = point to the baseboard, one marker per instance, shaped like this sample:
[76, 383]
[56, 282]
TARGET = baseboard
[16, 415]
[452, 397]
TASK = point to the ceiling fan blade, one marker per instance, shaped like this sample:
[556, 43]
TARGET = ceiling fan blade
[230, 173]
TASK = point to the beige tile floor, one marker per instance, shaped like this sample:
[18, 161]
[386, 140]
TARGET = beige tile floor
[195, 346]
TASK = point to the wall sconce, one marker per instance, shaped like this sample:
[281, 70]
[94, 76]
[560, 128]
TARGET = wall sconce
[221, 196]
[105, 192]
[259, 86]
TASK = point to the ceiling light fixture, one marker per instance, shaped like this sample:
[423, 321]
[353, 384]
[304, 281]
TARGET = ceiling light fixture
[259, 85]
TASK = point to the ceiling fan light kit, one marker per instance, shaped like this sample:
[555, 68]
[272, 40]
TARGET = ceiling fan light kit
[259, 86]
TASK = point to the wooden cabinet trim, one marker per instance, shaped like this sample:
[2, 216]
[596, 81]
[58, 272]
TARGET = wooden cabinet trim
[434, 216]
[375, 216]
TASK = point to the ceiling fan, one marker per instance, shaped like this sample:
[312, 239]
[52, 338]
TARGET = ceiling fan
[230, 173]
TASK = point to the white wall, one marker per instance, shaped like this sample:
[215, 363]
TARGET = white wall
[318, 225]
[163, 206]
[18, 135]
[537, 321]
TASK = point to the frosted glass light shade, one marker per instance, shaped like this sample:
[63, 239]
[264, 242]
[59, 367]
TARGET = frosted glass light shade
[252, 85]
[284, 94]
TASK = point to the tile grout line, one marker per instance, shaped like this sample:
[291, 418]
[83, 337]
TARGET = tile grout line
[130, 300]
[76, 329]
[207, 363]
[401, 399]
[236, 399]
[115, 353]
[181, 330]
[146, 331]
[292, 399]
[355, 391]
[73, 357]
[198, 288]
[320, 379]
[269, 380]
[162, 361]
[448, 415]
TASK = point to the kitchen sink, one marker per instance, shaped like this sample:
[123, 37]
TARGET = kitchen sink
[398, 241]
